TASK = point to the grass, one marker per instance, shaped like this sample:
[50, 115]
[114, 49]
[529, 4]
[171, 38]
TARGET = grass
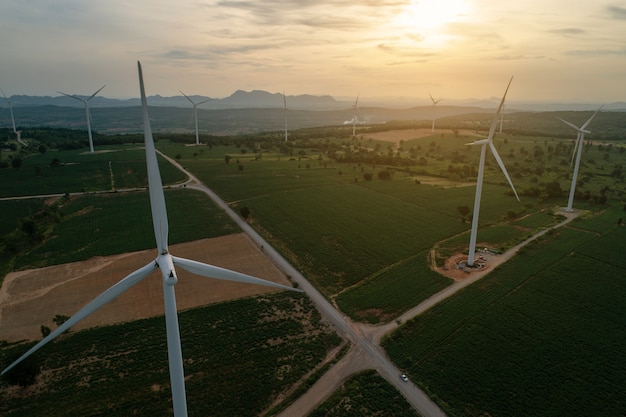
[239, 357]
[539, 336]
[14, 210]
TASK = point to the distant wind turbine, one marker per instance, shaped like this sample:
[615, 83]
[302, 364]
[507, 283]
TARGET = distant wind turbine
[578, 150]
[435, 102]
[479, 181]
[355, 106]
[285, 107]
[88, 115]
[195, 113]
[17, 133]
[164, 261]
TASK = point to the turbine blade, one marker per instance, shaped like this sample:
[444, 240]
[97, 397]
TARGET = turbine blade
[5, 96]
[572, 125]
[94, 94]
[72, 96]
[479, 142]
[494, 151]
[203, 101]
[590, 119]
[155, 185]
[494, 122]
[431, 98]
[356, 103]
[211, 271]
[107, 296]
[190, 100]
[576, 144]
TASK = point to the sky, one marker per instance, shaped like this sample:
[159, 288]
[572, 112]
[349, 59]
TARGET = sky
[556, 50]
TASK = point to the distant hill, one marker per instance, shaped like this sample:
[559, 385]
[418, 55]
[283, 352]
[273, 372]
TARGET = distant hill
[238, 100]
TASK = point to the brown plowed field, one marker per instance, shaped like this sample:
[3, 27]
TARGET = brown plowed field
[31, 298]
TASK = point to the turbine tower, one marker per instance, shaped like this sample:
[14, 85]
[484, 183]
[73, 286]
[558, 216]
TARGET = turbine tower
[195, 113]
[479, 181]
[285, 107]
[578, 150]
[165, 262]
[435, 102]
[87, 114]
[17, 134]
[355, 106]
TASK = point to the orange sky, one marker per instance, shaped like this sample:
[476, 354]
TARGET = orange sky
[557, 50]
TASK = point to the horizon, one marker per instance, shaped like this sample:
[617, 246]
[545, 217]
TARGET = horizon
[557, 51]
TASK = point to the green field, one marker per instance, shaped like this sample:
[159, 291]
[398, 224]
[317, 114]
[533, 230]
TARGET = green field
[78, 171]
[541, 335]
[365, 395]
[240, 356]
[108, 224]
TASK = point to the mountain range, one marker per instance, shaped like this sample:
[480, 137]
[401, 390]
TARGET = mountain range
[262, 99]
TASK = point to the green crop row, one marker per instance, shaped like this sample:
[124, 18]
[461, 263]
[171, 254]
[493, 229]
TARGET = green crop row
[239, 357]
[539, 336]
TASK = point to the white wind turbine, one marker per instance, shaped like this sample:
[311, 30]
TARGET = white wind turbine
[10, 103]
[285, 107]
[479, 181]
[356, 113]
[164, 261]
[87, 114]
[195, 113]
[578, 150]
[435, 102]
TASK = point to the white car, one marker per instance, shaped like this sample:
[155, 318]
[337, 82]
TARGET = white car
[404, 378]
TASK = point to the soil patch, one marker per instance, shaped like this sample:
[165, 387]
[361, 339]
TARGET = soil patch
[29, 299]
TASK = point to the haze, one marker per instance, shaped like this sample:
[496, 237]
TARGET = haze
[558, 50]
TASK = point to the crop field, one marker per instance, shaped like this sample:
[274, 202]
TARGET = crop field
[393, 290]
[77, 171]
[541, 335]
[13, 210]
[365, 395]
[335, 229]
[240, 356]
[107, 224]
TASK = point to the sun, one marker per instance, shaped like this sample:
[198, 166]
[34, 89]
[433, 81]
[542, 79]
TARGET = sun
[429, 17]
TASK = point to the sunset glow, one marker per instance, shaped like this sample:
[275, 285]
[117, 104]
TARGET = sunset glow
[558, 50]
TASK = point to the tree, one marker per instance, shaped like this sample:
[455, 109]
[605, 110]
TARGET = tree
[227, 159]
[45, 330]
[42, 148]
[464, 210]
[59, 319]
[245, 212]
[384, 175]
[24, 373]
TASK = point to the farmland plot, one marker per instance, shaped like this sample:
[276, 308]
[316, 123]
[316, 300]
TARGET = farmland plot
[539, 336]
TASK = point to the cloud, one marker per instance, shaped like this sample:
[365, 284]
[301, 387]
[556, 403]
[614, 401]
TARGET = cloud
[596, 52]
[568, 31]
[617, 12]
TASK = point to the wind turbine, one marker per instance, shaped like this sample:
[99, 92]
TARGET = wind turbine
[164, 261]
[435, 102]
[479, 181]
[285, 107]
[578, 151]
[355, 106]
[18, 134]
[195, 113]
[87, 114]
